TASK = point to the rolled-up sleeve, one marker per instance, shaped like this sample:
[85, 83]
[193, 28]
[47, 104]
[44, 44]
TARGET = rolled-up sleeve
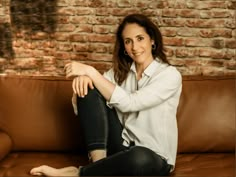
[158, 90]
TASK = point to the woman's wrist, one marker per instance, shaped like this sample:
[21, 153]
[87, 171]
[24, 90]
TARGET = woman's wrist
[91, 72]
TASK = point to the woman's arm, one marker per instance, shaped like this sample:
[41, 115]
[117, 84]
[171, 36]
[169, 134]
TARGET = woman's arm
[159, 89]
[104, 86]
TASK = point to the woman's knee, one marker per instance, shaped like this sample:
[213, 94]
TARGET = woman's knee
[92, 93]
[141, 156]
[93, 96]
[144, 161]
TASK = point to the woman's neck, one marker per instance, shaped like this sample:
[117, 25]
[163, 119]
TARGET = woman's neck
[141, 67]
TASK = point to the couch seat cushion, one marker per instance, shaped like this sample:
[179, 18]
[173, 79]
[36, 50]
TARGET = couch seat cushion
[205, 165]
[188, 165]
[20, 163]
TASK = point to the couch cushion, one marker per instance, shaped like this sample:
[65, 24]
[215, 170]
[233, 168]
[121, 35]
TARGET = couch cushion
[206, 114]
[205, 165]
[37, 113]
[20, 163]
[6, 144]
[188, 165]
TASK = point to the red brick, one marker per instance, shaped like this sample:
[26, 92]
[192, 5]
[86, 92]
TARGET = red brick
[177, 62]
[84, 28]
[169, 13]
[231, 65]
[210, 33]
[169, 32]
[173, 22]
[64, 47]
[39, 36]
[192, 70]
[99, 48]
[218, 43]
[66, 11]
[81, 47]
[97, 3]
[188, 13]
[186, 53]
[230, 23]
[197, 42]
[3, 62]
[101, 29]
[100, 38]
[79, 19]
[61, 36]
[229, 72]
[230, 54]
[122, 12]
[161, 4]
[205, 52]
[29, 63]
[180, 4]
[99, 57]
[80, 56]
[212, 71]
[99, 20]
[187, 32]
[194, 63]
[63, 19]
[78, 38]
[206, 4]
[124, 3]
[169, 41]
[223, 54]
[206, 23]
[84, 11]
[231, 44]
[66, 28]
[62, 55]
[80, 3]
[215, 63]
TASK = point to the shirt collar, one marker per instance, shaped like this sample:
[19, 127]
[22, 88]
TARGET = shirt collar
[152, 67]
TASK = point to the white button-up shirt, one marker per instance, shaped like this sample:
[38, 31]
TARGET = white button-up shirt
[147, 108]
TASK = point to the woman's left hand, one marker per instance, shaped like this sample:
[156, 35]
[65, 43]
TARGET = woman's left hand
[81, 85]
[76, 69]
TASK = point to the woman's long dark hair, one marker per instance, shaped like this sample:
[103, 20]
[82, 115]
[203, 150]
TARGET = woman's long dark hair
[122, 61]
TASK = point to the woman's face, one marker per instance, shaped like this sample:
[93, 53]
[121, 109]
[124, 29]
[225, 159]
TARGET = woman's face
[138, 43]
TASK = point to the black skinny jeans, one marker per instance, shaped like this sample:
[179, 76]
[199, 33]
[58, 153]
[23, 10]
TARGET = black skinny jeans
[102, 130]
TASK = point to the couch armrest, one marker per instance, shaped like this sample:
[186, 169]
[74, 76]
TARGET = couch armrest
[6, 144]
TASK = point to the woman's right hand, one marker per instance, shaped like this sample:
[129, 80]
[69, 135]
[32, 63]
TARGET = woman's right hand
[81, 84]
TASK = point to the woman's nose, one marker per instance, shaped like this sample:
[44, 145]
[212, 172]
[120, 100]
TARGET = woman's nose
[134, 46]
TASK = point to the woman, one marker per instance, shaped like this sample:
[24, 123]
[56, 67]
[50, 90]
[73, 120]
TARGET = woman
[128, 115]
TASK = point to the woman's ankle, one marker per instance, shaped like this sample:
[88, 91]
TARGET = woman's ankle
[97, 154]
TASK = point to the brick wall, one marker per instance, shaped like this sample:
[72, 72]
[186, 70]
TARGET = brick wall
[37, 37]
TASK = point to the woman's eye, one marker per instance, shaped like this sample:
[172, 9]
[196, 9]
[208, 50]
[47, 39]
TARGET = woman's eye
[140, 38]
[127, 41]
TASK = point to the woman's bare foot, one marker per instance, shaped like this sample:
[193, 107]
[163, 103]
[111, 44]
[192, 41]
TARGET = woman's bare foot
[50, 171]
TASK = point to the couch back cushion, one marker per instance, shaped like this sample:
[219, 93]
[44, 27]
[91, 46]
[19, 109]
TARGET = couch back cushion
[37, 114]
[206, 115]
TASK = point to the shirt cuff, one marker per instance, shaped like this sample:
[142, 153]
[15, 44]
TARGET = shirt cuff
[116, 96]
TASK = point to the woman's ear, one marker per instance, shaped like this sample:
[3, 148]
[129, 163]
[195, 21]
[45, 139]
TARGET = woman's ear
[152, 41]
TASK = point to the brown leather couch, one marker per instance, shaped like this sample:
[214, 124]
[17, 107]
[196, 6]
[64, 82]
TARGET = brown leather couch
[38, 126]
